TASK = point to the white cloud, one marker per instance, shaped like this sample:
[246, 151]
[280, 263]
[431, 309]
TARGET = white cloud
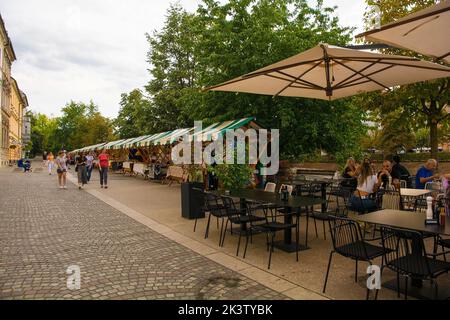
[94, 49]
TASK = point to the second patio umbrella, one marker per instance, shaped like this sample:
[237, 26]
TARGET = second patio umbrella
[330, 72]
[426, 32]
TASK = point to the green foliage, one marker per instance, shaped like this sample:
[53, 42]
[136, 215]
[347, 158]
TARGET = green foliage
[79, 125]
[420, 105]
[134, 115]
[221, 41]
[232, 176]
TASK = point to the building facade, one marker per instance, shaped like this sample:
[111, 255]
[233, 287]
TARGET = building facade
[7, 57]
[16, 118]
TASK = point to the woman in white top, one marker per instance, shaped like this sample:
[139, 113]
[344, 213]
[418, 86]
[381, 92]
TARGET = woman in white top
[368, 183]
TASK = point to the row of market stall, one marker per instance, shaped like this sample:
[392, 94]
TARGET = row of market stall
[157, 147]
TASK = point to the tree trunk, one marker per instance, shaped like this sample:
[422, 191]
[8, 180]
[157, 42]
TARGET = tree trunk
[433, 137]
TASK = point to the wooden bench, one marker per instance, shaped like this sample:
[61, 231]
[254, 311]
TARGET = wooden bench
[126, 167]
[139, 168]
[313, 173]
[175, 173]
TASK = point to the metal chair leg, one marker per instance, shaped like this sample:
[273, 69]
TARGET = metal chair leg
[222, 235]
[207, 226]
[239, 245]
[324, 230]
[406, 288]
[195, 224]
[328, 271]
[315, 226]
[356, 271]
[297, 236]
[271, 250]
[246, 245]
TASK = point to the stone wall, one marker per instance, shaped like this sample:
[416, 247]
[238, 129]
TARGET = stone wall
[287, 168]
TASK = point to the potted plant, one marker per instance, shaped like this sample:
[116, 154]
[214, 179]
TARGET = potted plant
[232, 176]
[192, 193]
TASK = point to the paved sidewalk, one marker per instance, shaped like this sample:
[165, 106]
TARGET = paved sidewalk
[44, 230]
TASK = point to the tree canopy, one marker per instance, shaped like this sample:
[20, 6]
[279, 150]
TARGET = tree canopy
[419, 105]
[218, 42]
[79, 125]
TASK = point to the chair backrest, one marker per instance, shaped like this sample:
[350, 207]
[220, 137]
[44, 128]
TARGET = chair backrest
[344, 233]
[404, 251]
[403, 184]
[289, 187]
[212, 202]
[420, 205]
[435, 186]
[270, 187]
[229, 205]
[254, 208]
[391, 199]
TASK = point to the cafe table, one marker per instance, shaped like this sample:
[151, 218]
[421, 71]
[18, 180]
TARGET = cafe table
[410, 221]
[410, 195]
[274, 198]
[323, 182]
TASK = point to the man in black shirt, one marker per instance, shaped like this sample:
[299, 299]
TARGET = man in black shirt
[400, 172]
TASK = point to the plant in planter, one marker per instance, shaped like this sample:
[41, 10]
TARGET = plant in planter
[232, 176]
[195, 173]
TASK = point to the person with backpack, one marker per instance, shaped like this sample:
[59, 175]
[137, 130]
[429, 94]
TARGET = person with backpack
[103, 166]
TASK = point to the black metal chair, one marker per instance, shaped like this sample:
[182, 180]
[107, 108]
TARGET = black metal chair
[342, 197]
[214, 206]
[238, 217]
[269, 226]
[405, 254]
[348, 241]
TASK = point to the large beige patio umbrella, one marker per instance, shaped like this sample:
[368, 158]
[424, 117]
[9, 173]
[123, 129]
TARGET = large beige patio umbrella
[329, 72]
[425, 31]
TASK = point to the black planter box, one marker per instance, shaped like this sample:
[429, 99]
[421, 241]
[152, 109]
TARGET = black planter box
[192, 200]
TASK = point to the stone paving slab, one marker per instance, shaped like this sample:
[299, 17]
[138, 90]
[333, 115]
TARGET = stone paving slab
[44, 230]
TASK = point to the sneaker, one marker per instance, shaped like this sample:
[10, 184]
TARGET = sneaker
[101, 186]
[65, 187]
[79, 187]
[61, 187]
[106, 187]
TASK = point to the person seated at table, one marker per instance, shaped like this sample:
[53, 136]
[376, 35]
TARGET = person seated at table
[368, 184]
[385, 173]
[426, 173]
[350, 174]
[400, 172]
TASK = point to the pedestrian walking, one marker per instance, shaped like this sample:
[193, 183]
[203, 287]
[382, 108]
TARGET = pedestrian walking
[103, 166]
[80, 168]
[44, 158]
[50, 162]
[89, 166]
[61, 165]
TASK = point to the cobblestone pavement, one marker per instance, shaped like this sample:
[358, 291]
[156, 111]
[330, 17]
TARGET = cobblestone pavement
[44, 230]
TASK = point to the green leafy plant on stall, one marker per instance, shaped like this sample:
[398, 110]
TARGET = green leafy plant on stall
[195, 173]
[232, 176]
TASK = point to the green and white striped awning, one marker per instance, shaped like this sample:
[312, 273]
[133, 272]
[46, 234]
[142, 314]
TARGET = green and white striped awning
[213, 131]
[133, 142]
[109, 145]
[171, 136]
[209, 133]
[94, 147]
[121, 144]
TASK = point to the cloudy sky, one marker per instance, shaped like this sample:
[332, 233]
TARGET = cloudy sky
[95, 49]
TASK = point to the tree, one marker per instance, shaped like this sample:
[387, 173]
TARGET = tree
[135, 117]
[173, 68]
[424, 103]
[223, 41]
[43, 131]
